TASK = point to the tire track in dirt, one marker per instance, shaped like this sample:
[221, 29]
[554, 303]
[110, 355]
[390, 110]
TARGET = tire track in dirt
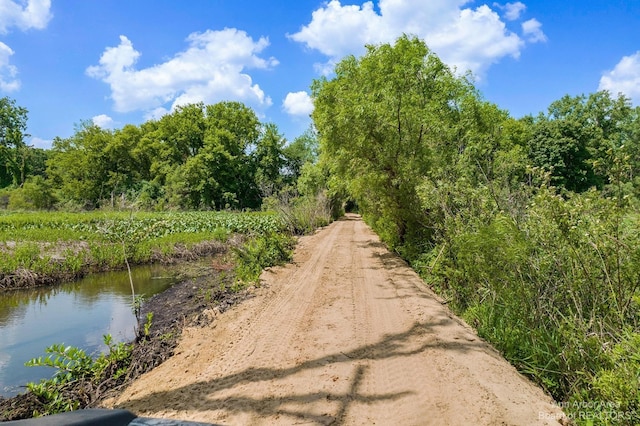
[283, 311]
[347, 334]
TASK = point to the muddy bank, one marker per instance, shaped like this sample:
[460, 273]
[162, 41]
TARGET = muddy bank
[205, 291]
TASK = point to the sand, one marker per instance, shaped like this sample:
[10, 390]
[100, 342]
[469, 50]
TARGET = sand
[346, 334]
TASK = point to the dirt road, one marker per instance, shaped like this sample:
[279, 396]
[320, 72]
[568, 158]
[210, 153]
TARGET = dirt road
[347, 334]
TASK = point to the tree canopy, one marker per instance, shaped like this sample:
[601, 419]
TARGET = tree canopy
[388, 121]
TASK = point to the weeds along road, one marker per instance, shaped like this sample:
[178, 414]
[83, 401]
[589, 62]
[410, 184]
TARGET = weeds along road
[346, 334]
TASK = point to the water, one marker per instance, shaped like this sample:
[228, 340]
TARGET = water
[77, 314]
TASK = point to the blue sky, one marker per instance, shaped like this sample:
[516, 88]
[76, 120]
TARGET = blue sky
[126, 61]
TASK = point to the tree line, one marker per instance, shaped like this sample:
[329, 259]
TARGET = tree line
[197, 157]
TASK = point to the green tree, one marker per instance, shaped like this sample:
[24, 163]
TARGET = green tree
[79, 165]
[303, 150]
[270, 160]
[169, 142]
[183, 132]
[232, 132]
[381, 121]
[146, 150]
[560, 147]
[122, 169]
[580, 138]
[216, 171]
[14, 153]
[240, 120]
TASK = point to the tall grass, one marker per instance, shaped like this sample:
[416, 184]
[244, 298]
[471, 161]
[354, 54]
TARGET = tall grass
[301, 214]
[556, 288]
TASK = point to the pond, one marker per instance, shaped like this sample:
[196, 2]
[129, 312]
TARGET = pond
[77, 314]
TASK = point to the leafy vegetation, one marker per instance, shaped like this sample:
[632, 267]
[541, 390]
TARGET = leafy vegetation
[56, 246]
[17, 160]
[261, 252]
[529, 228]
[74, 369]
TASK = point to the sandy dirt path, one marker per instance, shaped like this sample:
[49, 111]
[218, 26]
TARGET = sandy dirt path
[346, 334]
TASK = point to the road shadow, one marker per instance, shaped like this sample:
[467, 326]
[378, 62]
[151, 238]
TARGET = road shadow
[204, 395]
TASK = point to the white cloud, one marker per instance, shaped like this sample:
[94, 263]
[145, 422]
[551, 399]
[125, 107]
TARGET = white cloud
[156, 114]
[103, 121]
[41, 143]
[532, 29]
[337, 30]
[211, 69]
[298, 103]
[624, 78]
[474, 41]
[36, 14]
[512, 11]
[8, 72]
[465, 38]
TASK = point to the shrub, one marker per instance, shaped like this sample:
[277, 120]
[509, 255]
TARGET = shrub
[78, 376]
[261, 252]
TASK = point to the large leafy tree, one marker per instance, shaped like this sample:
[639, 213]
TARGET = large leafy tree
[232, 131]
[203, 156]
[95, 165]
[15, 155]
[560, 147]
[122, 167]
[172, 140]
[303, 150]
[384, 122]
[269, 160]
[581, 138]
[183, 131]
[80, 165]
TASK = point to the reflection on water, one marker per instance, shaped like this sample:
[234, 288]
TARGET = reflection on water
[76, 314]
